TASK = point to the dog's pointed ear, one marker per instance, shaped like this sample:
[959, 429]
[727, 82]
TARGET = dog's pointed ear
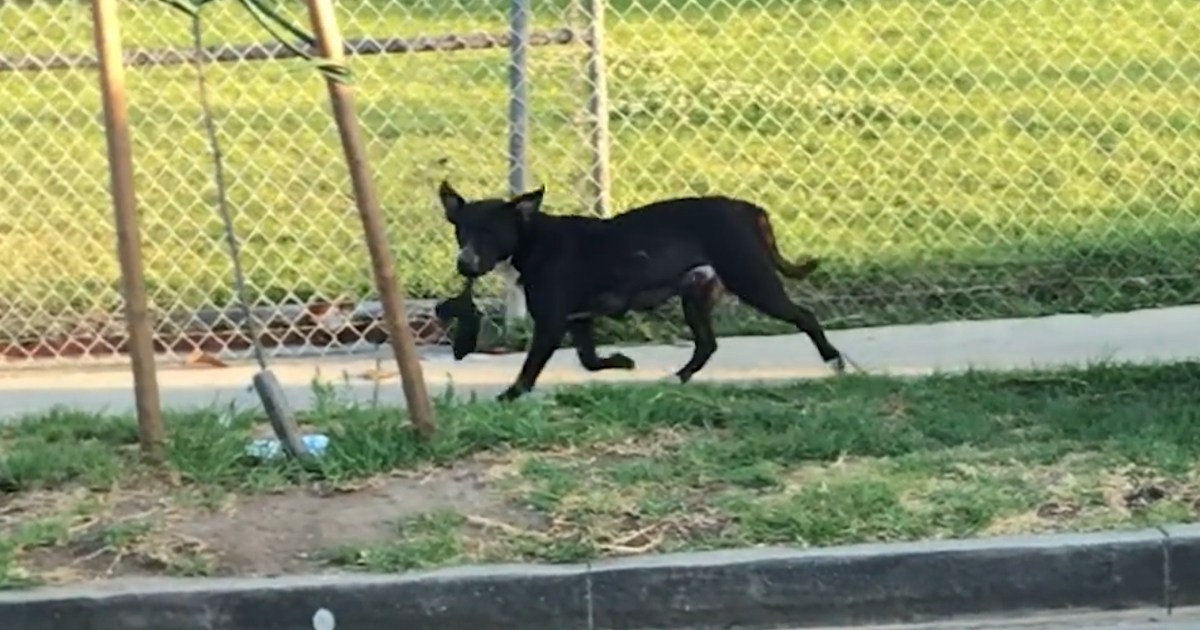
[452, 202]
[529, 203]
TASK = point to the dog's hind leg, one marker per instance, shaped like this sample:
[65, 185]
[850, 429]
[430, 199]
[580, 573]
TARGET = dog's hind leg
[546, 337]
[755, 282]
[697, 301]
[584, 337]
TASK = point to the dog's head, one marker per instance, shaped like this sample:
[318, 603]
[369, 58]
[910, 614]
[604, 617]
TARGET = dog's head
[488, 231]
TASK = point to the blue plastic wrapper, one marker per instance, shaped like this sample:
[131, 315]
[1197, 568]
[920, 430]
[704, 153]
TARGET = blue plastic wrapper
[267, 448]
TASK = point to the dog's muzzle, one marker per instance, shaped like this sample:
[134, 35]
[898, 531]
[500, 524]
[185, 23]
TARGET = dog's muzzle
[468, 264]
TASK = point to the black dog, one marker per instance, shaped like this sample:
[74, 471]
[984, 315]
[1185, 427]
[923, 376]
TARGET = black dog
[574, 269]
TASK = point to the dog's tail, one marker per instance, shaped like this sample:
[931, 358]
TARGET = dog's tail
[793, 270]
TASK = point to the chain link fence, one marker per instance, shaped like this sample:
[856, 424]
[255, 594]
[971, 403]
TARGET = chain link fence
[948, 159]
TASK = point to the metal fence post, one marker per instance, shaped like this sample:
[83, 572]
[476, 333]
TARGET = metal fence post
[597, 109]
[518, 132]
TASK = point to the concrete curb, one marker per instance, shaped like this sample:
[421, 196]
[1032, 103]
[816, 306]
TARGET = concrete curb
[753, 588]
[1183, 552]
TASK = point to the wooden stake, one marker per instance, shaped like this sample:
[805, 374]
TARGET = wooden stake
[341, 97]
[106, 29]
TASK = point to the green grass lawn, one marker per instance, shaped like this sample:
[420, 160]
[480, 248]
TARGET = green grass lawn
[948, 159]
[595, 471]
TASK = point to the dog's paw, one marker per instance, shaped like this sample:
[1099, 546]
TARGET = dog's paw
[837, 364]
[683, 376]
[510, 394]
[619, 361]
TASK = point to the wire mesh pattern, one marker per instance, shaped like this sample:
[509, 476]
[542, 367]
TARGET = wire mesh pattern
[947, 159]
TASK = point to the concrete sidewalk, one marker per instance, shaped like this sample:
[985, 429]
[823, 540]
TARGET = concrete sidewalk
[1140, 336]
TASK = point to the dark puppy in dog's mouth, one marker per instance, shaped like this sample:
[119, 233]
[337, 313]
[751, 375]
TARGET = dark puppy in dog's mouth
[467, 319]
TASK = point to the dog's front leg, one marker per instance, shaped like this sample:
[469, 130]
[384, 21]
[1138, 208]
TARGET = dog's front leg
[583, 335]
[547, 335]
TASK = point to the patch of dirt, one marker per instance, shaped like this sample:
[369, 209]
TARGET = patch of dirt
[87, 535]
[270, 534]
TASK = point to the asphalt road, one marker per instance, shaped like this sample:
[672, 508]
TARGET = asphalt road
[1153, 619]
